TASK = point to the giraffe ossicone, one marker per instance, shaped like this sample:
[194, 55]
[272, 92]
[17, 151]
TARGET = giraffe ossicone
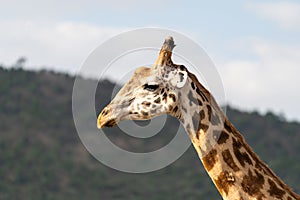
[168, 88]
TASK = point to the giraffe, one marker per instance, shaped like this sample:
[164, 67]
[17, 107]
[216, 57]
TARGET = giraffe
[168, 88]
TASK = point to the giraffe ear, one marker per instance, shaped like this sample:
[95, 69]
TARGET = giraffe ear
[179, 79]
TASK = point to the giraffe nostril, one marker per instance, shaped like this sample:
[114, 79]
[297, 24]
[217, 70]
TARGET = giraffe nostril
[104, 112]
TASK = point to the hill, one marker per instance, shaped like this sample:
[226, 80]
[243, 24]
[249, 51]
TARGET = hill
[42, 156]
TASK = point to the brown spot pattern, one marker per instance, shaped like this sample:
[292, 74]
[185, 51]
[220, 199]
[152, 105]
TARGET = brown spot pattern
[221, 138]
[164, 97]
[274, 190]
[209, 111]
[230, 129]
[157, 100]
[195, 120]
[224, 182]
[175, 109]
[172, 96]
[253, 183]
[179, 95]
[199, 102]
[203, 97]
[227, 157]
[210, 159]
[144, 113]
[146, 103]
[227, 127]
[193, 85]
[192, 99]
[204, 127]
[182, 67]
[152, 111]
[214, 120]
[212, 117]
[202, 115]
[243, 157]
[198, 135]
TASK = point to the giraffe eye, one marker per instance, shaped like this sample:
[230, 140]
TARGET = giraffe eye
[151, 87]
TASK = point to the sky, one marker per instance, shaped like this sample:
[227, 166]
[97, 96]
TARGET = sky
[255, 45]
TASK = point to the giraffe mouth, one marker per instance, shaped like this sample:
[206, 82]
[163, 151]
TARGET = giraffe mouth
[101, 123]
[109, 123]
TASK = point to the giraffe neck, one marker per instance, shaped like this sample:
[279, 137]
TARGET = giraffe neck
[232, 165]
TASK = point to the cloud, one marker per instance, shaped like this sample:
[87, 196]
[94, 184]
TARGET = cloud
[62, 44]
[268, 81]
[285, 14]
[58, 10]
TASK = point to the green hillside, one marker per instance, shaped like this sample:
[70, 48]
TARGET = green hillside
[42, 157]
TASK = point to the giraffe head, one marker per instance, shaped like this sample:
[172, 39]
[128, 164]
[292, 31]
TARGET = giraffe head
[150, 92]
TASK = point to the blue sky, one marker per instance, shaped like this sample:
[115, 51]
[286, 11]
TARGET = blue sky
[254, 44]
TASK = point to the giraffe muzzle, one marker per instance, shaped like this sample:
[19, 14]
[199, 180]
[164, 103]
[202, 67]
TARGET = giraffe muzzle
[105, 119]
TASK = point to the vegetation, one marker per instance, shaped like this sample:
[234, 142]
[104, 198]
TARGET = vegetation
[41, 156]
